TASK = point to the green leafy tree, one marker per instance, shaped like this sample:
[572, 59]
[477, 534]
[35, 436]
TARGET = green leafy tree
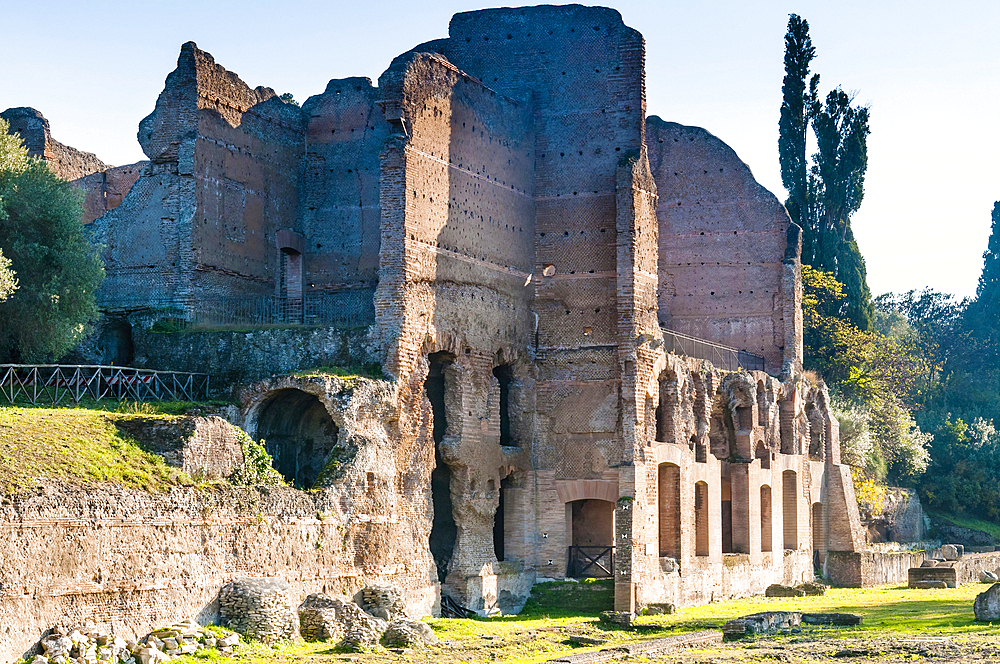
[794, 121]
[874, 379]
[823, 196]
[984, 312]
[41, 232]
[8, 278]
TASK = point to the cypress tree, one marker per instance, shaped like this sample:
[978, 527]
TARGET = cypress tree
[794, 120]
[988, 291]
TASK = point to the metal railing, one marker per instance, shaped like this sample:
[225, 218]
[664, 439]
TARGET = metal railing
[592, 562]
[56, 384]
[339, 308]
[723, 357]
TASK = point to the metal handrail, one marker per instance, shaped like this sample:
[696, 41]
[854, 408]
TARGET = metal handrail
[56, 383]
[723, 357]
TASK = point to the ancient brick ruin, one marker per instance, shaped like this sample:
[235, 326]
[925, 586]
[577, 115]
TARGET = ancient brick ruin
[524, 239]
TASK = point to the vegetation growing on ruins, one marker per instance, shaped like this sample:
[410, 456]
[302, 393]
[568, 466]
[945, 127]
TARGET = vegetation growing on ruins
[58, 271]
[78, 446]
[915, 377]
[257, 467]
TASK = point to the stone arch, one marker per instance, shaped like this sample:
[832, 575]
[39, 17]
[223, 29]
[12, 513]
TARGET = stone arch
[298, 433]
[667, 408]
[444, 530]
[817, 432]
[818, 535]
[764, 454]
[763, 408]
[721, 431]
[504, 374]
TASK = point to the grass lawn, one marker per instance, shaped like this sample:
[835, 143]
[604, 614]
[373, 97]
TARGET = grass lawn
[547, 629]
[82, 446]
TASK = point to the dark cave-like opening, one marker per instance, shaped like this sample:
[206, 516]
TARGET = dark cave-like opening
[298, 433]
[443, 528]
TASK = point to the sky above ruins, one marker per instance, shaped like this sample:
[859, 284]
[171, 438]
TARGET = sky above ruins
[929, 70]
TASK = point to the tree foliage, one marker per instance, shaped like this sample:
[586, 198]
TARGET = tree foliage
[823, 196]
[875, 379]
[8, 278]
[41, 233]
[793, 122]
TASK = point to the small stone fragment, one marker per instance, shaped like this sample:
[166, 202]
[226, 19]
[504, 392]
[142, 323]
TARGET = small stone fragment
[987, 604]
[778, 590]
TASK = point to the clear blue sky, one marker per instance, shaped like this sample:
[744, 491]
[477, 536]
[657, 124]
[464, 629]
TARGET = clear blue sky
[929, 70]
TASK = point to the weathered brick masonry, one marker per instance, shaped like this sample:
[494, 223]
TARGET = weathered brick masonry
[522, 231]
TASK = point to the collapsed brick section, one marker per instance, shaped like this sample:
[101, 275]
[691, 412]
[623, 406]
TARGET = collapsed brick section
[521, 231]
[202, 220]
[103, 186]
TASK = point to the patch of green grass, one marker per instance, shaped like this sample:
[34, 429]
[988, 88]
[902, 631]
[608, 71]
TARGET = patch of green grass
[143, 408]
[75, 445]
[966, 521]
[570, 598]
[533, 637]
[368, 370]
[887, 610]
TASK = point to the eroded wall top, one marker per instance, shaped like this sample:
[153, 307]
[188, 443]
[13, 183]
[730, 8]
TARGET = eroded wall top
[722, 247]
[66, 162]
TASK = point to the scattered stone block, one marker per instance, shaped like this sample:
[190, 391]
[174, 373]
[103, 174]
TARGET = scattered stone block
[616, 618]
[318, 619]
[767, 622]
[384, 601]
[930, 562]
[916, 576]
[582, 640]
[778, 590]
[812, 588]
[952, 551]
[407, 633]
[659, 609]
[987, 576]
[259, 609]
[987, 604]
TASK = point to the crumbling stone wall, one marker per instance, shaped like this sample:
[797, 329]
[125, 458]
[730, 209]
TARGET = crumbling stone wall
[103, 186]
[526, 231]
[66, 162]
[201, 221]
[105, 190]
[722, 249]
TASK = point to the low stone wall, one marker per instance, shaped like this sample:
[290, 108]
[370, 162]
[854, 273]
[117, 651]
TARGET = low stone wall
[971, 564]
[239, 357]
[867, 569]
[130, 562]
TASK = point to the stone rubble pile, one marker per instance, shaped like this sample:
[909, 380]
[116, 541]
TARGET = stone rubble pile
[322, 617]
[385, 602]
[88, 645]
[260, 609]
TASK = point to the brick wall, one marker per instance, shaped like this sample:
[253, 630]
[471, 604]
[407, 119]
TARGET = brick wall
[723, 240]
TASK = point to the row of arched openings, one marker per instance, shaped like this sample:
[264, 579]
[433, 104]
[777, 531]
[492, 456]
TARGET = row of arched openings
[670, 515]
